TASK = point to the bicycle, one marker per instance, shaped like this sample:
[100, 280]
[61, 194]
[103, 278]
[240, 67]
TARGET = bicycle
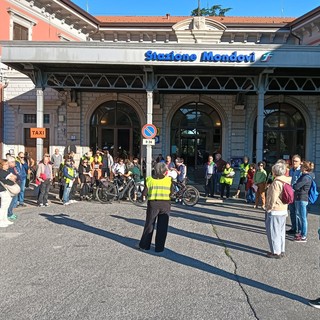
[108, 191]
[186, 194]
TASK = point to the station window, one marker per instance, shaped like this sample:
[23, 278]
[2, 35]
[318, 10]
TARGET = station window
[20, 32]
[32, 118]
[21, 25]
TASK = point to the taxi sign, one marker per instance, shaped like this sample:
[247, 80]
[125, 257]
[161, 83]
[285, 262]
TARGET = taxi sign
[149, 131]
[38, 133]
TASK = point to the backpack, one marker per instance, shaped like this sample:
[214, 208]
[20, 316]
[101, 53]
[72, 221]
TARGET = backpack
[287, 195]
[313, 193]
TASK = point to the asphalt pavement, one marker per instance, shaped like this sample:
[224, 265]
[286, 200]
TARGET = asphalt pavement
[80, 262]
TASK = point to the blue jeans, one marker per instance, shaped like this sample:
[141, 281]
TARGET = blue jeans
[13, 205]
[302, 214]
[66, 193]
[21, 193]
[293, 217]
[251, 196]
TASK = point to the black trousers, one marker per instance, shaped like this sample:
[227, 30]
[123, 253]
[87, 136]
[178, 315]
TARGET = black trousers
[157, 210]
[223, 186]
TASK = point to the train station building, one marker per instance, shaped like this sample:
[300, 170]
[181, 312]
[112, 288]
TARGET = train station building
[234, 85]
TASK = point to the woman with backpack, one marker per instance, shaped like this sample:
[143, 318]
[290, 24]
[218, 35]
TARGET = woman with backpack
[277, 211]
[301, 197]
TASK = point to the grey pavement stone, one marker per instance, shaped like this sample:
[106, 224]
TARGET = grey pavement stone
[79, 262]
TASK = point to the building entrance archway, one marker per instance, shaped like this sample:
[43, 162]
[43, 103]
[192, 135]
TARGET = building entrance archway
[196, 132]
[284, 133]
[115, 126]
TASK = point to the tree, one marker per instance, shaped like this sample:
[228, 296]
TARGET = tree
[215, 10]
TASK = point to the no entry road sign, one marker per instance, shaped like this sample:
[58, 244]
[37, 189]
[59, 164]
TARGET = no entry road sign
[149, 131]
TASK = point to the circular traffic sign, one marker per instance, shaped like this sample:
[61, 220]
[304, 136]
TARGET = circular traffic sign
[149, 131]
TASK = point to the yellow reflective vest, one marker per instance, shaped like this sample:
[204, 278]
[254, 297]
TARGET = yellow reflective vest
[159, 189]
[70, 173]
[224, 178]
[244, 168]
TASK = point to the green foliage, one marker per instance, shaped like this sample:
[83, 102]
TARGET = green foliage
[215, 10]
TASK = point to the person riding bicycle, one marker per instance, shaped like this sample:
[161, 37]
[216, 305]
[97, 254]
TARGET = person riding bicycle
[181, 170]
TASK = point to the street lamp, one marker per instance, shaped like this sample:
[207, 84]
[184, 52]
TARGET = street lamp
[199, 8]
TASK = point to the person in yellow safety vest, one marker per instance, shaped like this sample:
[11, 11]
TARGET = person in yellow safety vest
[158, 189]
[244, 168]
[226, 180]
[68, 179]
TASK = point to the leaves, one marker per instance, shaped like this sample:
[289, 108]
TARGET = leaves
[214, 11]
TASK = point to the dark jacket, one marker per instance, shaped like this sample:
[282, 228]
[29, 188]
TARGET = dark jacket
[3, 175]
[302, 187]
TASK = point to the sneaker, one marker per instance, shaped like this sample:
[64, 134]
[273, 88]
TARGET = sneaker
[73, 201]
[299, 238]
[3, 225]
[8, 222]
[13, 217]
[273, 255]
[137, 246]
[291, 231]
[254, 207]
[46, 205]
[302, 239]
[66, 203]
[41, 205]
[22, 205]
[235, 197]
[315, 303]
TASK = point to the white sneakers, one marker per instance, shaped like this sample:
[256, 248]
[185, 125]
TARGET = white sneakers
[5, 224]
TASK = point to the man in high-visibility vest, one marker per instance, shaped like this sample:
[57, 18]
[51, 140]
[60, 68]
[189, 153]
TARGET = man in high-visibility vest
[158, 189]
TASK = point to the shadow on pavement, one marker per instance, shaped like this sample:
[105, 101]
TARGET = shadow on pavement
[63, 219]
[196, 236]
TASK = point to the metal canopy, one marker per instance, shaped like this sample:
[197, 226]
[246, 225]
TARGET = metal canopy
[91, 67]
[187, 82]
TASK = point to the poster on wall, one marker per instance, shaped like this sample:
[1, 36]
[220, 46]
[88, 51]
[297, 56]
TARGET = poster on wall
[235, 162]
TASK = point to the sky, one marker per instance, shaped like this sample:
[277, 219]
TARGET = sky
[260, 8]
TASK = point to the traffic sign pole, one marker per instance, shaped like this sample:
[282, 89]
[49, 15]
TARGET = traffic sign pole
[149, 120]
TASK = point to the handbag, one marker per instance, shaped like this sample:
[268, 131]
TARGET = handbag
[13, 189]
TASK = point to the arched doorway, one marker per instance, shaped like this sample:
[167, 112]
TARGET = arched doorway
[195, 133]
[284, 132]
[115, 125]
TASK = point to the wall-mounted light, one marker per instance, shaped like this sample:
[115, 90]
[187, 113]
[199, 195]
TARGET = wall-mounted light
[218, 124]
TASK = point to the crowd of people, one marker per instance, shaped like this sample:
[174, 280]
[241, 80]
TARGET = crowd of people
[265, 191]
[62, 171]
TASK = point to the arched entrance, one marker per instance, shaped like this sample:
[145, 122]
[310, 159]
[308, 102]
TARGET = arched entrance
[195, 133]
[284, 132]
[115, 125]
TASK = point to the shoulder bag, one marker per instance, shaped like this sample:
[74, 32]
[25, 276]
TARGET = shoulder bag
[13, 189]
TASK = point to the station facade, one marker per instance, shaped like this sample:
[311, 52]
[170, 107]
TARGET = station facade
[234, 85]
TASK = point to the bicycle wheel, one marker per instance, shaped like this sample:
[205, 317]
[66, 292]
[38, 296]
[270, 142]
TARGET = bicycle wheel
[106, 193]
[135, 194]
[190, 196]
